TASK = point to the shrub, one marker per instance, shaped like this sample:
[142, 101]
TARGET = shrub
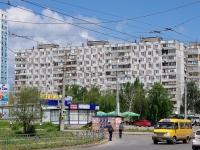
[48, 124]
[4, 124]
[15, 126]
[19, 132]
[51, 129]
[85, 127]
[31, 129]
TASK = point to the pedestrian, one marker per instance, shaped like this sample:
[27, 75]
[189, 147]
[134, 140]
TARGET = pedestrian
[121, 128]
[110, 130]
[10, 124]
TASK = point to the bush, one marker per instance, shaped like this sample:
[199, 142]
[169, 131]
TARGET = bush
[85, 127]
[31, 129]
[4, 124]
[15, 126]
[51, 129]
[19, 132]
[48, 124]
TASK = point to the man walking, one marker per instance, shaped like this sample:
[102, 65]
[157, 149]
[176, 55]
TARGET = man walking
[110, 130]
[121, 128]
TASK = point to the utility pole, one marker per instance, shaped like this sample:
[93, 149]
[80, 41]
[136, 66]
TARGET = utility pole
[117, 91]
[185, 115]
[63, 94]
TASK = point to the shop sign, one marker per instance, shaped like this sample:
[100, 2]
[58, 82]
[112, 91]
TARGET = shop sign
[49, 96]
[83, 106]
[73, 107]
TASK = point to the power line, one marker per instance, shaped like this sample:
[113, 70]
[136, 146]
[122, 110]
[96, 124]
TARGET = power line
[152, 14]
[186, 21]
[68, 23]
[80, 19]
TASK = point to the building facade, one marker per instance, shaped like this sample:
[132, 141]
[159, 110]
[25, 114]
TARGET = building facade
[106, 66]
[3, 47]
[194, 63]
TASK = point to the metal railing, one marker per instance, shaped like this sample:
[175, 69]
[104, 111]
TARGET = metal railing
[49, 139]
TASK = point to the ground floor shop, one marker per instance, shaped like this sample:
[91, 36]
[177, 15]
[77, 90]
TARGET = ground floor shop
[75, 113]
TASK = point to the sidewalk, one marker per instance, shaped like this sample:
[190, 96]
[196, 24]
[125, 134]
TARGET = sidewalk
[124, 132]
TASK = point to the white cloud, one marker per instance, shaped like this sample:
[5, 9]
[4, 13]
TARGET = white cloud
[41, 32]
[182, 29]
[120, 26]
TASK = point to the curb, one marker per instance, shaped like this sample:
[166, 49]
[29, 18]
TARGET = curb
[105, 140]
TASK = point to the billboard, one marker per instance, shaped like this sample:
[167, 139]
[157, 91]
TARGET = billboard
[4, 94]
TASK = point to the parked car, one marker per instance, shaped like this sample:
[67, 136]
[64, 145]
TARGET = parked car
[154, 123]
[140, 123]
[196, 141]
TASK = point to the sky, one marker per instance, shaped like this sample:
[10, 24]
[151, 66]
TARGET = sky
[63, 22]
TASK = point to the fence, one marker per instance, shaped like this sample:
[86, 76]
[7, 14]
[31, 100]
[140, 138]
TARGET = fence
[49, 139]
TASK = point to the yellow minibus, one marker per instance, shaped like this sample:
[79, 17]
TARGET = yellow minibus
[172, 130]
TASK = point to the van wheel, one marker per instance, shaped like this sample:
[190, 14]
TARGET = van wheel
[174, 140]
[155, 141]
[187, 140]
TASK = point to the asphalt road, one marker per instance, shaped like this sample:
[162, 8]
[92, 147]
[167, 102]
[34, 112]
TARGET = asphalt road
[137, 142]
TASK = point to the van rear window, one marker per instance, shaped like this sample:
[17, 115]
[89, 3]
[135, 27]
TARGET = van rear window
[198, 133]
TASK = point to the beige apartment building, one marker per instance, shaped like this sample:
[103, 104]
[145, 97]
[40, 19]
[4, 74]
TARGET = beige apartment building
[105, 66]
[193, 63]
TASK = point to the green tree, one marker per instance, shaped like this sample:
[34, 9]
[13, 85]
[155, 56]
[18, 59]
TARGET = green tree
[77, 92]
[192, 97]
[107, 102]
[27, 107]
[92, 97]
[159, 104]
[133, 98]
[127, 96]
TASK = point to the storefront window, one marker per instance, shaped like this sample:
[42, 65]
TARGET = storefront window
[55, 114]
[74, 115]
[82, 115]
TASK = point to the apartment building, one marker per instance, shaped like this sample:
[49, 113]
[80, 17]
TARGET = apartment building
[3, 47]
[193, 62]
[106, 66]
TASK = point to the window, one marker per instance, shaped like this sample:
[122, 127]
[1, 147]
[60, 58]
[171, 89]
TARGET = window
[83, 115]
[182, 125]
[74, 115]
[157, 71]
[149, 46]
[149, 71]
[149, 53]
[142, 47]
[55, 115]
[135, 47]
[142, 53]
